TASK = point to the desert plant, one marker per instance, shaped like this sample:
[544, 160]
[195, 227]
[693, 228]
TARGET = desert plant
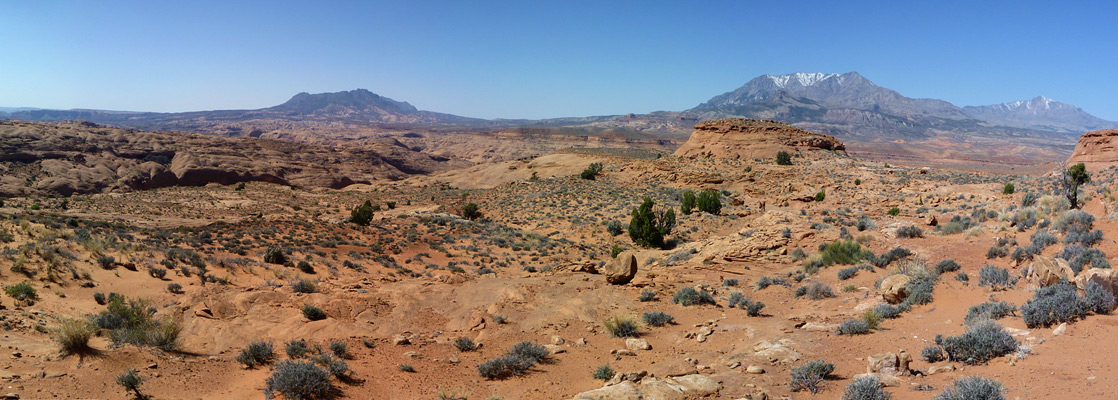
[131, 381]
[815, 291]
[810, 376]
[989, 311]
[909, 232]
[865, 388]
[99, 298]
[689, 296]
[591, 172]
[847, 273]
[864, 223]
[157, 273]
[657, 318]
[470, 211]
[843, 252]
[106, 261]
[133, 322]
[405, 368]
[1008, 189]
[621, 327]
[174, 288]
[710, 201]
[257, 353]
[297, 348]
[306, 267]
[888, 311]
[648, 227]
[983, 341]
[822, 195]
[1070, 180]
[303, 286]
[363, 214]
[275, 255]
[298, 380]
[932, 354]
[994, 277]
[853, 327]
[313, 313]
[73, 334]
[465, 344]
[647, 295]
[339, 349]
[604, 373]
[688, 204]
[22, 291]
[894, 211]
[973, 388]
[1099, 299]
[783, 158]
[614, 228]
[1054, 304]
[946, 266]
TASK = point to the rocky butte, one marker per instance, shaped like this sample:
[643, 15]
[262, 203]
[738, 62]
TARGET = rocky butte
[753, 138]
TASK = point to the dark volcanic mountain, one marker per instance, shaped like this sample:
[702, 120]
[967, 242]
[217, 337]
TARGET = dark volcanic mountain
[1040, 113]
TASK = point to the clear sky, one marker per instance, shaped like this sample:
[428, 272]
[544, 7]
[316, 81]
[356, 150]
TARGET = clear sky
[536, 59]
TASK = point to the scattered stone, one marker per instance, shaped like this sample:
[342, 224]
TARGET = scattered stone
[153, 366]
[754, 369]
[453, 360]
[1060, 330]
[940, 368]
[1047, 271]
[554, 349]
[557, 340]
[893, 288]
[637, 344]
[623, 352]
[400, 340]
[412, 354]
[700, 338]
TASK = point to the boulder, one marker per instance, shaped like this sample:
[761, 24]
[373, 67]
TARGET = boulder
[886, 363]
[1108, 278]
[931, 220]
[893, 288]
[1047, 271]
[637, 344]
[622, 269]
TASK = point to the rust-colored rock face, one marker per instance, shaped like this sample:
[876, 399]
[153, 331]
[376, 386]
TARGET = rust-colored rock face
[1097, 149]
[747, 138]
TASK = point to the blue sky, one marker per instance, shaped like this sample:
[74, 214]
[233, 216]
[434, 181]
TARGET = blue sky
[529, 59]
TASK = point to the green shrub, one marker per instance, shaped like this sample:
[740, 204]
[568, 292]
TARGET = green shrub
[313, 313]
[857, 182]
[647, 295]
[783, 158]
[1008, 189]
[710, 202]
[106, 261]
[657, 318]
[257, 353]
[810, 376]
[865, 388]
[1054, 304]
[847, 273]
[591, 172]
[518, 359]
[688, 204]
[133, 322]
[174, 288]
[465, 344]
[363, 214]
[820, 196]
[1099, 299]
[622, 327]
[305, 267]
[615, 250]
[22, 291]
[909, 232]
[946, 266]
[298, 380]
[983, 341]
[131, 381]
[815, 291]
[894, 211]
[470, 211]
[689, 296]
[406, 368]
[973, 388]
[604, 373]
[339, 349]
[99, 298]
[614, 228]
[648, 227]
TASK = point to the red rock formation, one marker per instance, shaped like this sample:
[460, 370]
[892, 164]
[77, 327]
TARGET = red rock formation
[748, 138]
[1097, 149]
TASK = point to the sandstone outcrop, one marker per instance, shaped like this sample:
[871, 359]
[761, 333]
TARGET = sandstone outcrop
[749, 138]
[622, 269]
[1097, 150]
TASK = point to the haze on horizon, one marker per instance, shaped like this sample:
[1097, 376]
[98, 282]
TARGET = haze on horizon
[527, 60]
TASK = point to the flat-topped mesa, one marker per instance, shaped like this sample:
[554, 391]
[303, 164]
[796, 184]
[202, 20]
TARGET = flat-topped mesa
[750, 138]
[1096, 149]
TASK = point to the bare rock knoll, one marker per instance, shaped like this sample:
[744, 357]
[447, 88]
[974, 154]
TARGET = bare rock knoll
[80, 157]
[1097, 149]
[748, 138]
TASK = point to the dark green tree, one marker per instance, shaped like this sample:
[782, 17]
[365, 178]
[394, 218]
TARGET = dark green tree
[362, 214]
[648, 227]
[783, 158]
[688, 203]
[710, 201]
[470, 212]
[1070, 179]
[591, 172]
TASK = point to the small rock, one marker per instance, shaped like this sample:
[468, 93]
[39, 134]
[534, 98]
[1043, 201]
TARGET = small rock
[11, 396]
[557, 340]
[754, 369]
[453, 360]
[1060, 330]
[706, 331]
[940, 368]
[734, 365]
[400, 340]
[623, 352]
[554, 349]
[700, 338]
[637, 344]
[412, 354]
[580, 342]
[153, 366]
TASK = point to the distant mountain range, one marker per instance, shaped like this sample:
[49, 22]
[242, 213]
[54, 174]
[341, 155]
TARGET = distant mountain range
[848, 106]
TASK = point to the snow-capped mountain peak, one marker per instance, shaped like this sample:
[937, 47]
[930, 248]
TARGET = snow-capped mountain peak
[804, 78]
